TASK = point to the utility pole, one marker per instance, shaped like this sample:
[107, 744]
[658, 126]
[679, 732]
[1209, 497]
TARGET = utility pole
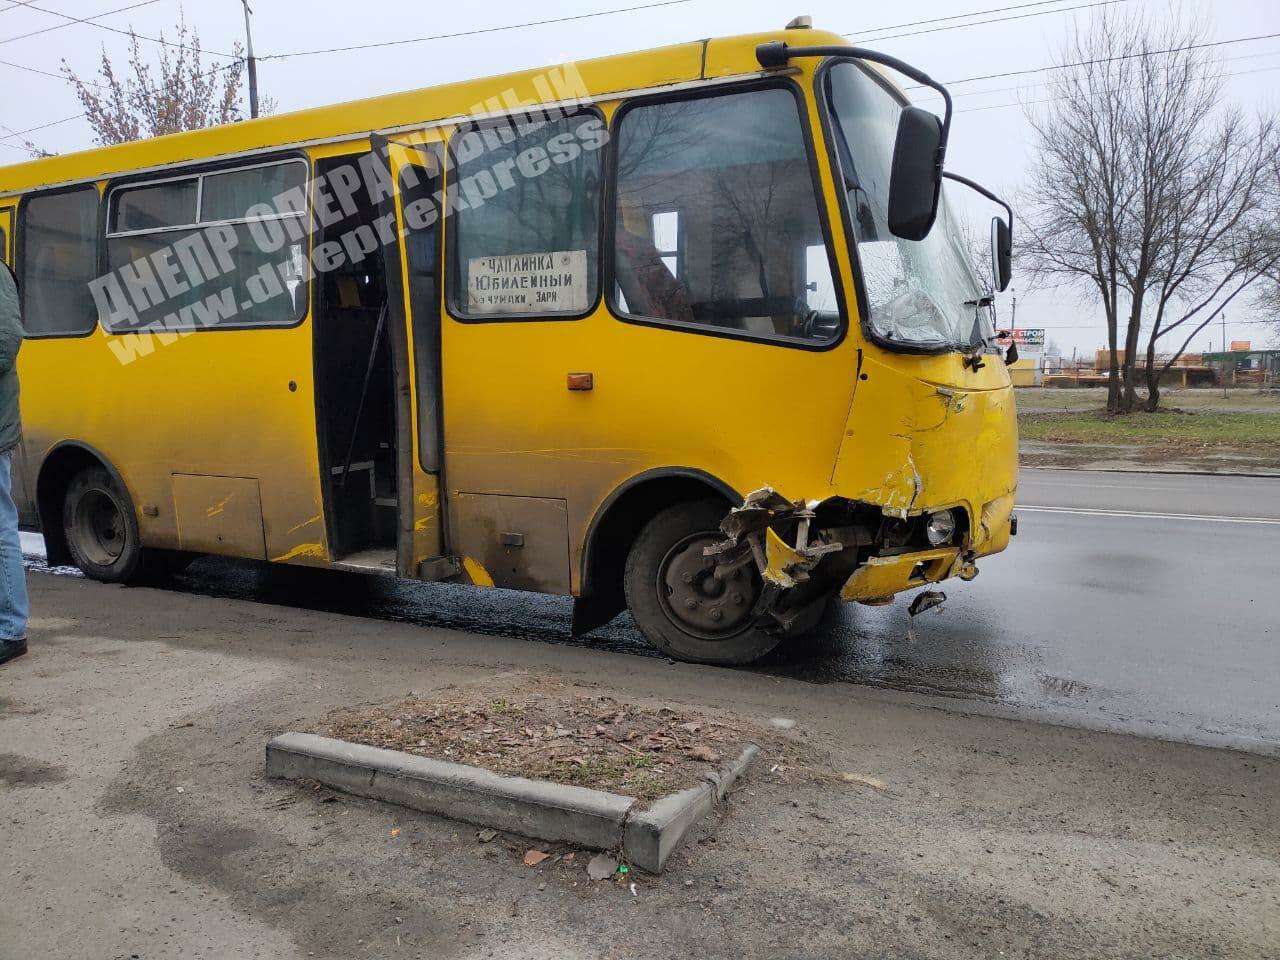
[251, 62]
[1226, 360]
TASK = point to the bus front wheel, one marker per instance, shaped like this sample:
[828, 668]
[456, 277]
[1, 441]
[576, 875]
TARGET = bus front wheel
[100, 527]
[678, 602]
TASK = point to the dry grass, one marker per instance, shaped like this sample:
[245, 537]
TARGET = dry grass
[1179, 432]
[1089, 399]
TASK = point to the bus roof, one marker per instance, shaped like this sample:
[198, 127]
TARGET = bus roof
[599, 79]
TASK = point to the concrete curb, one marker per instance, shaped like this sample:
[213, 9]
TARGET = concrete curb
[650, 836]
[535, 808]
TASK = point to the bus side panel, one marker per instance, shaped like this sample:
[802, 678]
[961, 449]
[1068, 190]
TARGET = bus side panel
[222, 404]
[749, 414]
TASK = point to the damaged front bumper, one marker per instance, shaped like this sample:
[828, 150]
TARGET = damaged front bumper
[805, 552]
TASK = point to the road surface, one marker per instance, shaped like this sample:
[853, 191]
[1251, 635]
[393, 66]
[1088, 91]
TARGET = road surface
[135, 819]
[1129, 602]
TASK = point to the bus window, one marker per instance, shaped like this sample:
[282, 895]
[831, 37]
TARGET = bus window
[59, 238]
[719, 188]
[154, 207]
[154, 223]
[231, 196]
[527, 231]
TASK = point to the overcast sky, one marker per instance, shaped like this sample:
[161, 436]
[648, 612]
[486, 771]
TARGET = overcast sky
[989, 139]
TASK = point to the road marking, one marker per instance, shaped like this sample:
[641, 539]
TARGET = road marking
[1092, 512]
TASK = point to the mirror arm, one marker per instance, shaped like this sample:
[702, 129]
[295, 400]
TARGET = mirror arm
[775, 54]
[973, 185]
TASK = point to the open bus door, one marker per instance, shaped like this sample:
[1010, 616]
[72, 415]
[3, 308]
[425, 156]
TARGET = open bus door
[413, 284]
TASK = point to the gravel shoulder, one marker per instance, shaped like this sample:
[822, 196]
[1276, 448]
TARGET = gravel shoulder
[137, 819]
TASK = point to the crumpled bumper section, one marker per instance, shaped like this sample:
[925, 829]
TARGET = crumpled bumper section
[807, 550]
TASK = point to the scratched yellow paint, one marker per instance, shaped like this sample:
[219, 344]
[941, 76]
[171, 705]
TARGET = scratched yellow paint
[217, 509]
[475, 573]
[303, 551]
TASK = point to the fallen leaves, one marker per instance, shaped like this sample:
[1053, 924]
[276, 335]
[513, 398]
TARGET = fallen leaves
[595, 741]
[535, 857]
[602, 867]
[700, 751]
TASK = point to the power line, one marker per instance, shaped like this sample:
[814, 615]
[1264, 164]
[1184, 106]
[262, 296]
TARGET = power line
[1087, 63]
[1033, 103]
[45, 73]
[979, 23]
[124, 33]
[63, 26]
[44, 126]
[472, 33]
[956, 16]
[1045, 83]
[79, 116]
[98, 86]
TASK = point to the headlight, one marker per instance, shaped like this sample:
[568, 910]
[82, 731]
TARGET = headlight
[941, 527]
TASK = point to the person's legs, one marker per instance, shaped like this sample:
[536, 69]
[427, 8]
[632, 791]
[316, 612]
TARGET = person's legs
[13, 576]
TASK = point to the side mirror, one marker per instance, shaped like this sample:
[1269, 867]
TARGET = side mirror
[10, 305]
[915, 183]
[1001, 253]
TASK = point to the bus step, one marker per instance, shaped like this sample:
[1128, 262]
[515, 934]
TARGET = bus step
[382, 562]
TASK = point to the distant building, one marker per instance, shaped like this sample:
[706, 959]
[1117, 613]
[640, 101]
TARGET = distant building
[1246, 367]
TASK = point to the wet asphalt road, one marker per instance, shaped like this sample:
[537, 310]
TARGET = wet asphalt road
[1129, 602]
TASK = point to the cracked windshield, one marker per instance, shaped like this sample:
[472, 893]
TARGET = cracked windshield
[920, 293]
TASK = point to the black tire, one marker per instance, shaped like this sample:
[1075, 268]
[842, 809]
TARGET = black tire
[162, 565]
[101, 528]
[673, 596]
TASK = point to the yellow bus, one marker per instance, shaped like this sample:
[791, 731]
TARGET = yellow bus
[689, 332]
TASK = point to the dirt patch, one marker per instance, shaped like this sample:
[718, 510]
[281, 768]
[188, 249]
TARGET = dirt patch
[548, 732]
[19, 771]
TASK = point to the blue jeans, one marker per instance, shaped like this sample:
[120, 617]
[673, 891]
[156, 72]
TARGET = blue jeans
[13, 576]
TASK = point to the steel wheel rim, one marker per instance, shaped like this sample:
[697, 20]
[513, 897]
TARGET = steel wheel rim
[100, 528]
[690, 595]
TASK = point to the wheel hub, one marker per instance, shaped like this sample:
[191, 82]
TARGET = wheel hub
[101, 526]
[696, 598]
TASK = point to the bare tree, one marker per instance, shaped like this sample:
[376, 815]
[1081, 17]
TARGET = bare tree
[1268, 304]
[1148, 186]
[1080, 192]
[1267, 294]
[1220, 239]
[179, 91]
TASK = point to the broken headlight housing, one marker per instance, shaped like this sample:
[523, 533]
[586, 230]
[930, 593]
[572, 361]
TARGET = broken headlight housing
[940, 528]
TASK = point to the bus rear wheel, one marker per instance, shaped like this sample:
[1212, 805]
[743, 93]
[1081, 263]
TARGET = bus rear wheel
[679, 604]
[100, 527]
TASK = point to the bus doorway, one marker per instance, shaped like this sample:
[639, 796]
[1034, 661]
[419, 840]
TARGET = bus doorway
[355, 394]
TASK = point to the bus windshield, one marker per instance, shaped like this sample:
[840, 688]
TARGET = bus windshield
[921, 294]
